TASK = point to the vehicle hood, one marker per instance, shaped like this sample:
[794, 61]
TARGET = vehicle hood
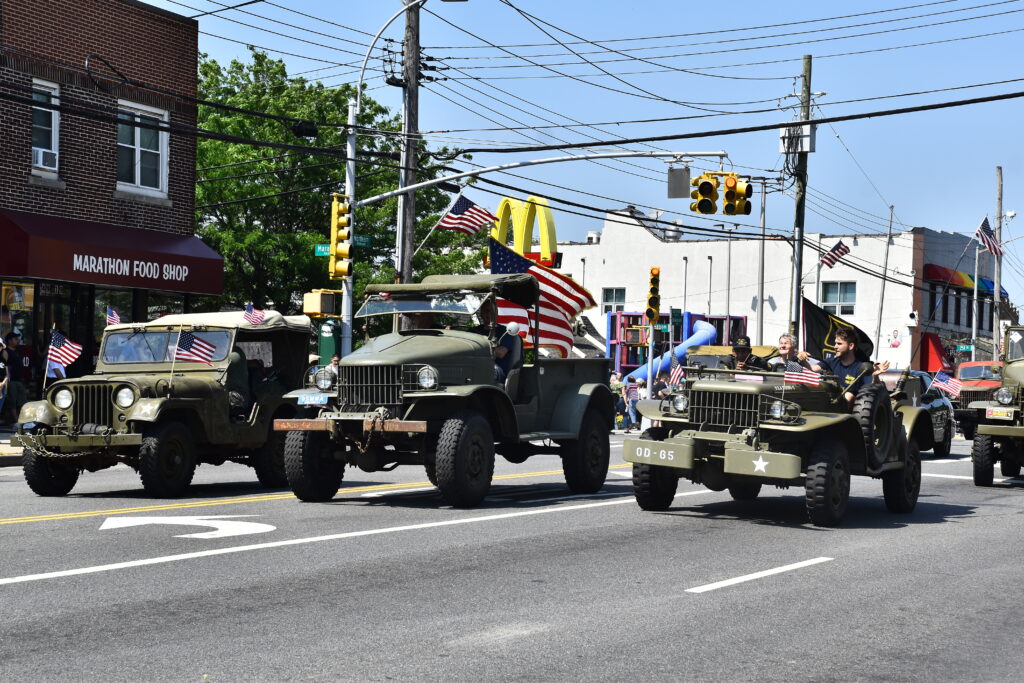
[442, 347]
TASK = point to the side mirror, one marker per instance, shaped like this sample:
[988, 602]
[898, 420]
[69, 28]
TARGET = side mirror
[867, 368]
[512, 328]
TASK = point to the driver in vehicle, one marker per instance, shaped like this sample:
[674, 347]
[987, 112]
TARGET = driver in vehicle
[846, 367]
[743, 359]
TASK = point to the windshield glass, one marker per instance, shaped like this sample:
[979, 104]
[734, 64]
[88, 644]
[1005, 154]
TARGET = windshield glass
[158, 346]
[1015, 345]
[451, 303]
[979, 372]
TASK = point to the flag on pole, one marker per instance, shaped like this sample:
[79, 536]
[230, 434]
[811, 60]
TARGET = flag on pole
[951, 385]
[833, 255]
[62, 350]
[801, 376]
[820, 329]
[112, 317]
[988, 238]
[465, 216]
[253, 316]
[192, 348]
[677, 374]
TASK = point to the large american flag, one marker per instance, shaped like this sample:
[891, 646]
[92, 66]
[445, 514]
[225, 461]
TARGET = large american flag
[112, 317]
[253, 316]
[561, 300]
[951, 385]
[192, 348]
[465, 216]
[988, 238]
[833, 255]
[62, 350]
[677, 374]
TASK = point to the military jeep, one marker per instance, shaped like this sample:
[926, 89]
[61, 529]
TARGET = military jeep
[163, 413]
[1000, 432]
[424, 392]
[742, 429]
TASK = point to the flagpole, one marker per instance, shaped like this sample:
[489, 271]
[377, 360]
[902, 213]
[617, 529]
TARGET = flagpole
[46, 373]
[174, 357]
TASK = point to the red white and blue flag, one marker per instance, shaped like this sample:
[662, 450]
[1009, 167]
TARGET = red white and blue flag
[112, 317]
[833, 255]
[253, 316]
[801, 375]
[677, 374]
[951, 385]
[988, 238]
[194, 349]
[465, 216]
[62, 350]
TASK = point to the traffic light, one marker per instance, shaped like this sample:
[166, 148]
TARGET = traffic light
[654, 296]
[706, 194]
[341, 247]
[737, 196]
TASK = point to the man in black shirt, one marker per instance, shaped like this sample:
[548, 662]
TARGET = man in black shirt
[846, 367]
[743, 359]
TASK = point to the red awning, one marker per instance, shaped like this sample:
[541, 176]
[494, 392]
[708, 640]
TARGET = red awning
[54, 248]
[933, 356]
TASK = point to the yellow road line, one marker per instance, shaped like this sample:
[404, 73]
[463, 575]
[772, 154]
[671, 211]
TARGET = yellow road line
[250, 499]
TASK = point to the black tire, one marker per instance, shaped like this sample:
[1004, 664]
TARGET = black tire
[902, 487]
[983, 456]
[167, 460]
[464, 460]
[744, 491]
[654, 486]
[585, 460]
[1009, 469]
[268, 461]
[874, 416]
[313, 475]
[431, 469]
[827, 486]
[969, 429]
[48, 476]
[942, 449]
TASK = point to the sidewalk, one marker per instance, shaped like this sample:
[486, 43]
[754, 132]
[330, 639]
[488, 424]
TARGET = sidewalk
[10, 456]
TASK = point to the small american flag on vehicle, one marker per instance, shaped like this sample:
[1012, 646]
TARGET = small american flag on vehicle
[465, 216]
[112, 317]
[192, 348]
[677, 373]
[800, 375]
[951, 385]
[835, 253]
[253, 316]
[62, 350]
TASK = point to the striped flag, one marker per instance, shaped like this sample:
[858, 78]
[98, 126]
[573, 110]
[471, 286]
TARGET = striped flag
[677, 374]
[988, 238]
[253, 316]
[835, 253]
[465, 216]
[112, 317]
[801, 376]
[951, 385]
[62, 350]
[192, 348]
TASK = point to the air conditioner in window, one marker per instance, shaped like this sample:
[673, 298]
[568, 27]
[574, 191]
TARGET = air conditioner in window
[44, 158]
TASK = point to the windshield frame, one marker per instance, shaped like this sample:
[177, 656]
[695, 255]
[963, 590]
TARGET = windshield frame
[381, 305]
[166, 339]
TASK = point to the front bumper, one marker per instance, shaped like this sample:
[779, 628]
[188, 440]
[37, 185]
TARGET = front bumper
[682, 450]
[67, 442]
[369, 424]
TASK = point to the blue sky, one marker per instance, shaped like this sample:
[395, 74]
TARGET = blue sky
[937, 168]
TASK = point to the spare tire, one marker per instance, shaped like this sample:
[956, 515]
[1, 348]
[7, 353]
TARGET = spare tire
[874, 416]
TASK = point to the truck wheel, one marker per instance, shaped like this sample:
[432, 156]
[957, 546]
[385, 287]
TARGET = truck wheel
[744, 491]
[585, 460]
[268, 461]
[313, 474]
[968, 428]
[942, 449]
[654, 486]
[901, 487]
[48, 476]
[464, 459]
[827, 486]
[874, 415]
[983, 455]
[1009, 469]
[167, 460]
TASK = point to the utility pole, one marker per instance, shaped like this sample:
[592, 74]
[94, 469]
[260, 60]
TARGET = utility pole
[686, 269]
[885, 275]
[997, 270]
[406, 227]
[760, 266]
[801, 195]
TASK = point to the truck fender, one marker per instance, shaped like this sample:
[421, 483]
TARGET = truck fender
[918, 424]
[490, 401]
[573, 402]
[38, 412]
[840, 426]
[650, 408]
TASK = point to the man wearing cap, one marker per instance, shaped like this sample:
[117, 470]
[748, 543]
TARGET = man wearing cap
[743, 359]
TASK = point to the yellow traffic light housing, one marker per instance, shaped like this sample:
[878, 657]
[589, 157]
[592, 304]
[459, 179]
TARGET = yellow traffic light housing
[652, 313]
[705, 195]
[340, 266]
[737, 196]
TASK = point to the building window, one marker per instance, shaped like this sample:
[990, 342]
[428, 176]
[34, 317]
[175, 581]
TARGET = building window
[969, 306]
[956, 309]
[945, 305]
[45, 126]
[141, 151]
[839, 298]
[613, 299]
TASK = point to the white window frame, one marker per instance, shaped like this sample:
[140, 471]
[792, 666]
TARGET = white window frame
[839, 307]
[38, 153]
[163, 142]
[614, 304]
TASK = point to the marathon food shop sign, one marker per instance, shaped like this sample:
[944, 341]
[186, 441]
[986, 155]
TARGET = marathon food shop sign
[135, 268]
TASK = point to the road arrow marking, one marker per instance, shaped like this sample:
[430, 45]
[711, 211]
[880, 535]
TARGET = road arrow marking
[222, 525]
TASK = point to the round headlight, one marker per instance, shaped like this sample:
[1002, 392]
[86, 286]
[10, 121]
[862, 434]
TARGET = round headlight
[680, 403]
[792, 411]
[1004, 396]
[125, 397]
[324, 379]
[63, 399]
[427, 377]
[776, 410]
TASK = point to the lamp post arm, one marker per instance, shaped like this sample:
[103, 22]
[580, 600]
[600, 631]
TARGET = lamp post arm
[366, 57]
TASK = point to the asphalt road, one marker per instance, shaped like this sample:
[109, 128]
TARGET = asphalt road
[386, 583]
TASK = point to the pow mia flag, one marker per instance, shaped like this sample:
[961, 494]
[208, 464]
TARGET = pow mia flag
[820, 329]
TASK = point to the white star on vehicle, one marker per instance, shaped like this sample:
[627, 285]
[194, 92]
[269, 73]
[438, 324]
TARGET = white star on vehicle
[760, 464]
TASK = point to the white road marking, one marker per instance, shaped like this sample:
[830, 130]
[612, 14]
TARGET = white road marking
[379, 494]
[318, 539]
[223, 525]
[757, 575]
[995, 480]
[628, 474]
[945, 461]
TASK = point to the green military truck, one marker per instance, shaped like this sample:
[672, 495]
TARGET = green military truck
[1000, 432]
[163, 415]
[423, 392]
[740, 430]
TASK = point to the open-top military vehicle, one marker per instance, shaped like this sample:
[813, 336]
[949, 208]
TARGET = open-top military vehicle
[163, 412]
[1000, 433]
[739, 430]
[426, 395]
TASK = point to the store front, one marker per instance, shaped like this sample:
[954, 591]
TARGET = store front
[57, 272]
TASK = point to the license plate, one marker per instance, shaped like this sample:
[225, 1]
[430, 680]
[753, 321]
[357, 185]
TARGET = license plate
[1000, 413]
[648, 451]
[313, 399]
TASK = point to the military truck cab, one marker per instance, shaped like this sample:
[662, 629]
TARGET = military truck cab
[1000, 432]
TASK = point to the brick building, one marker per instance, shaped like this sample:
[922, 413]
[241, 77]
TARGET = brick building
[97, 182]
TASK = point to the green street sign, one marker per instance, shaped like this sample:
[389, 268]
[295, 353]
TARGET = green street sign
[662, 327]
[965, 347]
[321, 250]
[362, 240]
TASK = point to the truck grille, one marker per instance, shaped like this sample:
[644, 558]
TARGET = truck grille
[968, 395]
[724, 409]
[94, 403]
[369, 385]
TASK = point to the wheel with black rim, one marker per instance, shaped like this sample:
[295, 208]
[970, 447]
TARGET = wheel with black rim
[313, 475]
[827, 486]
[585, 460]
[464, 460]
[167, 460]
[268, 461]
[942, 449]
[744, 491]
[902, 487]
[654, 486]
[48, 476]
[983, 457]
[874, 416]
